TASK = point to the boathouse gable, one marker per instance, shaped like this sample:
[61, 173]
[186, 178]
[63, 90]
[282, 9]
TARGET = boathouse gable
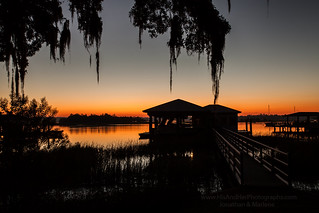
[179, 115]
[177, 106]
[174, 116]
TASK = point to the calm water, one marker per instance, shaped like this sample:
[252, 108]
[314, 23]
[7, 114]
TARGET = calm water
[259, 128]
[121, 133]
[106, 135]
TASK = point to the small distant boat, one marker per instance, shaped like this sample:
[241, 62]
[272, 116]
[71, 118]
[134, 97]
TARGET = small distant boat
[144, 135]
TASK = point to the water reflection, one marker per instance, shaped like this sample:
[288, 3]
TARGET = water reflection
[106, 135]
[259, 128]
[129, 133]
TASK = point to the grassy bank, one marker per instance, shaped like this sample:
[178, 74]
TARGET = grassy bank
[177, 175]
[87, 176]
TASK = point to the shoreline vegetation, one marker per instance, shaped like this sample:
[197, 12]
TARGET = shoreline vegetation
[99, 120]
[76, 175]
[176, 175]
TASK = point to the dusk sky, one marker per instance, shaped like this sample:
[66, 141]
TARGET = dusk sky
[269, 60]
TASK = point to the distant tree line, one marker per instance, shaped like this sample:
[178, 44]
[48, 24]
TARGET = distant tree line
[104, 119]
[262, 118]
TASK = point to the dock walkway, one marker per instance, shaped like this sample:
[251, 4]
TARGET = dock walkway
[253, 163]
[254, 174]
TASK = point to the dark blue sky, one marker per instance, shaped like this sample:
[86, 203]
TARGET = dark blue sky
[270, 60]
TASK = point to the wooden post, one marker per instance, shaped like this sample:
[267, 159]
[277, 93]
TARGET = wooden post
[251, 127]
[298, 124]
[156, 122]
[297, 128]
[151, 124]
[306, 127]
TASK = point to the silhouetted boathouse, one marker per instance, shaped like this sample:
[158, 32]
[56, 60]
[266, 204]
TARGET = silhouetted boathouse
[179, 116]
[299, 122]
[222, 117]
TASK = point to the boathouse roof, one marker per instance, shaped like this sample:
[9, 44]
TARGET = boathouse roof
[176, 106]
[299, 114]
[184, 107]
[220, 109]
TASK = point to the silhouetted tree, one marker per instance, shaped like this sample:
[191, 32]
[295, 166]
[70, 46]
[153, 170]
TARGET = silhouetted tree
[26, 124]
[25, 25]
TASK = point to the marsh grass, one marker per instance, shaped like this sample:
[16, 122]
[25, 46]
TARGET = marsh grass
[163, 176]
[87, 174]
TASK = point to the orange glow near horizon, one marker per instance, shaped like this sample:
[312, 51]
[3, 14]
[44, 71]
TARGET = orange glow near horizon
[135, 109]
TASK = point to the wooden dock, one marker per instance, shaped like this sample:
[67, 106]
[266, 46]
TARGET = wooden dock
[297, 124]
[253, 163]
[284, 127]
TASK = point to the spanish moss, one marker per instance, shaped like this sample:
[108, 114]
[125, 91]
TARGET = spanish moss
[65, 40]
[26, 25]
[90, 24]
[194, 25]
[97, 58]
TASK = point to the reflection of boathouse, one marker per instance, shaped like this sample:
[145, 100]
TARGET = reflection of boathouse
[180, 116]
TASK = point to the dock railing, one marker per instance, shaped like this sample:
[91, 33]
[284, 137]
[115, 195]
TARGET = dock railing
[274, 160]
[233, 156]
